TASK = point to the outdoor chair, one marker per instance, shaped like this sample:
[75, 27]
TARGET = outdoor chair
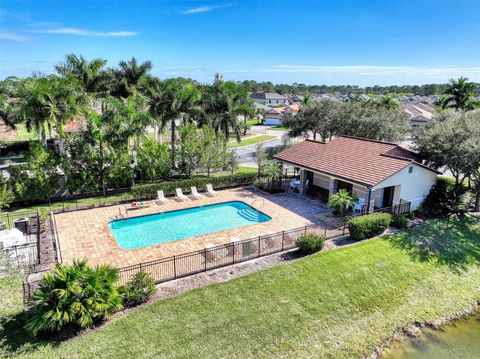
[358, 207]
[180, 194]
[195, 192]
[161, 197]
[210, 190]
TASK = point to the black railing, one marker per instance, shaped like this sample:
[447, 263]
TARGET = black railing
[21, 256]
[8, 219]
[403, 208]
[183, 265]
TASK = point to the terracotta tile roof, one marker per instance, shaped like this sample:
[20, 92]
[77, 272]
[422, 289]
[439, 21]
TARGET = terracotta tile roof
[359, 160]
[74, 126]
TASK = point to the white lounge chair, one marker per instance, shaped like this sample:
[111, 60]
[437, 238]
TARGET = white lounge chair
[195, 192]
[180, 194]
[210, 190]
[161, 196]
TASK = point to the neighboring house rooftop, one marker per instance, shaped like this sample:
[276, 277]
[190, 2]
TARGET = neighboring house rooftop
[75, 126]
[268, 96]
[416, 111]
[363, 161]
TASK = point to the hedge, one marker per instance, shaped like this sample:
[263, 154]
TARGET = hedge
[310, 243]
[368, 226]
[148, 191]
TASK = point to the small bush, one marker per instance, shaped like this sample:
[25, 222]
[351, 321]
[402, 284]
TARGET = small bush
[139, 289]
[368, 226]
[444, 197]
[399, 221]
[74, 296]
[310, 243]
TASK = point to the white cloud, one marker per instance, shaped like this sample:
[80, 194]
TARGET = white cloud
[202, 9]
[83, 32]
[12, 36]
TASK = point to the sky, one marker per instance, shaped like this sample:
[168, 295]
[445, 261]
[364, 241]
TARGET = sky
[337, 42]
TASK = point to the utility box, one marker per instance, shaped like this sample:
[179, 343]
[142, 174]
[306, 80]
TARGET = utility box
[22, 225]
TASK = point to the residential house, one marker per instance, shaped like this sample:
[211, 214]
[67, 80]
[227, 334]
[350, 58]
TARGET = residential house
[419, 115]
[269, 98]
[382, 174]
[276, 115]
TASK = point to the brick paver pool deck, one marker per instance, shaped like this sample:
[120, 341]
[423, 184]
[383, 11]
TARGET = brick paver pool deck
[85, 234]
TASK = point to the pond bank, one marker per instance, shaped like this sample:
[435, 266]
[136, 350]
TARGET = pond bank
[426, 338]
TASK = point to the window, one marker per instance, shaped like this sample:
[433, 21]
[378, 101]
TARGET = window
[410, 169]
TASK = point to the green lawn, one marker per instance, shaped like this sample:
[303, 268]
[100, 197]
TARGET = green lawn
[335, 304]
[254, 122]
[280, 128]
[23, 135]
[250, 141]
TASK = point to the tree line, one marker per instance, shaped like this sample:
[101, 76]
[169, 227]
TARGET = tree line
[300, 89]
[115, 106]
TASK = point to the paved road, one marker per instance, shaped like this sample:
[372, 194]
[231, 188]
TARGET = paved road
[246, 154]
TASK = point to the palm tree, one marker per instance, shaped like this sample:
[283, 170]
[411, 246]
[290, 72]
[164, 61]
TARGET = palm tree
[90, 74]
[74, 295]
[129, 76]
[459, 94]
[172, 102]
[273, 172]
[340, 202]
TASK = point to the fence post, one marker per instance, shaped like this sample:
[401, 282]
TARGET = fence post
[174, 266]
[38, 237]
[8, 221]
[233, 252]
[259, 246]
[325, 231]
[283, 238]
[63, 205]
[205, 259]
[305, 229]
[140, 266]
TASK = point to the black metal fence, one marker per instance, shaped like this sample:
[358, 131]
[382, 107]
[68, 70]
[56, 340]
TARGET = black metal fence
[403, 208]
[7, 219]
[183, 265]
[20, 256]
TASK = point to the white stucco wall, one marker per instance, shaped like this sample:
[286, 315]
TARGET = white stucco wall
[413, 186]
[321, 181]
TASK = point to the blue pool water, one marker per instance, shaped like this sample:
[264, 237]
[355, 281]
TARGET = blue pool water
[164, 227]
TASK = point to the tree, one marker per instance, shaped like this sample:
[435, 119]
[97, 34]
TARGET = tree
[213, 154]
[273, 172]
[370, 121]
[153, 160]
[128, 77]
[316, 117]
[453, 140]
[260, 156]
[190, 149]
[6, 196]
[460, 95]
[92, 75]
[232, 161]
[173, 102]
[340, 202]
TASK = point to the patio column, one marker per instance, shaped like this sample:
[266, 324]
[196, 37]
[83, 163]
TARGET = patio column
[301, 188]
[332, 186]
[371, 200]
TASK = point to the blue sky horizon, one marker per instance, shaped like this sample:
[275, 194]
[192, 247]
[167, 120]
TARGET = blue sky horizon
[365, 43]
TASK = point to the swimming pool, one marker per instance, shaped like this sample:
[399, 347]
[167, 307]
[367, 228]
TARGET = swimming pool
[164, 227]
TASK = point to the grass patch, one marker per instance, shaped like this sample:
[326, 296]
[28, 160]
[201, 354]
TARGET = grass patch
[335, 304]
[254, 122]
[279, 128]
[251, 141]
[11, 295]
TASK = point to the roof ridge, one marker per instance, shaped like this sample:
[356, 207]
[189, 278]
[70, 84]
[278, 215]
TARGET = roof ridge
[369, 140]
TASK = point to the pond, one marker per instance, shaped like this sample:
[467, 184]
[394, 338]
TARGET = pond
[458, 339]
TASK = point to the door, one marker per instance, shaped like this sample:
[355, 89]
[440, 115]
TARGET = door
[387, 200]
[344, 185]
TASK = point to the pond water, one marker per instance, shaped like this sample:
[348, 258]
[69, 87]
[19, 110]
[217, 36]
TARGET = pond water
[459, 339]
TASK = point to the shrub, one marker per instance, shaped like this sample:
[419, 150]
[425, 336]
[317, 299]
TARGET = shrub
[310, 243]
[399, 221]
[147, 191]
[368, 226]
[139, 289]
[74, 295]
[444, 197]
